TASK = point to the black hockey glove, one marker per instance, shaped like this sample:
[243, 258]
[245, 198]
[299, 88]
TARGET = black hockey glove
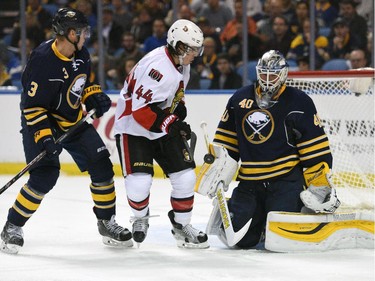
[180, 110]
[101, 102]
[180, 128]
[48, 144]
[94, 97]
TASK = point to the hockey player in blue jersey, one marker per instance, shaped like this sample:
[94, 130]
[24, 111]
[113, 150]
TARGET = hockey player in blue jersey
[275, 131]
[55, 88]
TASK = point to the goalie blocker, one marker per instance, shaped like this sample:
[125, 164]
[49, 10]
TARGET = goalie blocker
[296, 232]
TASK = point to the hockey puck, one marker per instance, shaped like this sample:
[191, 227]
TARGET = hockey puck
[209, 158]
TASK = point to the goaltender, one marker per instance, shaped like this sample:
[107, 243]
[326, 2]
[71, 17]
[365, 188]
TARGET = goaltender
[275, 132]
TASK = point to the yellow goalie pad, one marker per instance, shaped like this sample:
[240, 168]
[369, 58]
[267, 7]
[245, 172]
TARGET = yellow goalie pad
[297, 232]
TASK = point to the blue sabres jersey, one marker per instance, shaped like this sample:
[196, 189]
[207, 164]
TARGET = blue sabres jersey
[271, 142]
[53, 86]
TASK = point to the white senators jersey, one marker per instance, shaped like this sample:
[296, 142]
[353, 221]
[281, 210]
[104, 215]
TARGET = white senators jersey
[151, 92]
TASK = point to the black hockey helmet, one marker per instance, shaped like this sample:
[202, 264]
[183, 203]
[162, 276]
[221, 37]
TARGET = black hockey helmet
[66, 19]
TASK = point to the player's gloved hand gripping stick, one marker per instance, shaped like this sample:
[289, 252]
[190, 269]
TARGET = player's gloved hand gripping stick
[44, 153]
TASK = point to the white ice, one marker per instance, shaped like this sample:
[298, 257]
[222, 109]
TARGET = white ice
[62, 244]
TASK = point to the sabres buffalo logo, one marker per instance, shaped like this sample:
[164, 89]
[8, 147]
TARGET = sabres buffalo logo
[75, 91]
[258, 126]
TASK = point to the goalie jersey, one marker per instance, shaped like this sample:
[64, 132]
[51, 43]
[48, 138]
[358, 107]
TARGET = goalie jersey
[271, 142]
[151, 91]
[54, 96]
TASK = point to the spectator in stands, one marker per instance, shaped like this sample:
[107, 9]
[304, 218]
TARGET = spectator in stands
[118, 75]
[5, 79]
[34, 32]
[302, 11]
[86, 7]
[357, 24]
[227, 78]
[142, 25]
[206, 64]
[121, 15]
[112, 32]
[230, 29]
[130, 48]
[272, 8]
[158, 37]
[301, 45]
[303, 63]
[217, 13]
[209, 31]
[254, 9]
[341, 42]
[357, 59]
[281, 37]
[234, 47]
[184, 11]
[44, 18]
[156, 8]
[325, 13]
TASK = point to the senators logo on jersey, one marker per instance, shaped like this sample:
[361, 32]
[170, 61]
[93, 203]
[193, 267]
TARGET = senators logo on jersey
[155, 74]
[258, 126]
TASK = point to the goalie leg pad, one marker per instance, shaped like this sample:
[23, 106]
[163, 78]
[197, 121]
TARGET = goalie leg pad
[296, 232]
[221, 170]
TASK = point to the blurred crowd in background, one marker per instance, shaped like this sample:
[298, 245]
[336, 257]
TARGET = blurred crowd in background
[132, 28]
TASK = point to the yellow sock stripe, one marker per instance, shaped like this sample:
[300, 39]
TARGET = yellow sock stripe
[22, 213]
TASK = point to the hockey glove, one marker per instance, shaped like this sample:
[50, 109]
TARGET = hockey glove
[180, 110]
[48, 144]
[320, 196]
[94, 98]
[175, 127]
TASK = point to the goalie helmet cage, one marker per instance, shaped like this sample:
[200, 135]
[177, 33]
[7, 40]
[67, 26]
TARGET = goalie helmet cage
[345, 105]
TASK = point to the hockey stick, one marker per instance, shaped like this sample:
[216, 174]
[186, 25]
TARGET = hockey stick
[43, 153]
[232, 236]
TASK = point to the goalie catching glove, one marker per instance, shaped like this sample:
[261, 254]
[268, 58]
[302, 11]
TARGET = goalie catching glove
[95, 98]
[320, 196]
[222, 169]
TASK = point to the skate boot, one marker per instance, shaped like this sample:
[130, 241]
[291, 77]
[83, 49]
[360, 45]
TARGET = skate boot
[12, 238]
[187, 236]
[140, 227]
[113, 234]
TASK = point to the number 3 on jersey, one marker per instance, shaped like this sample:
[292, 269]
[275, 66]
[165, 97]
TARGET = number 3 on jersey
[147, 95]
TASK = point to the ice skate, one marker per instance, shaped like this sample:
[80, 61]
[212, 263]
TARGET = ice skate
[12, 238]
[140, 227]
[113, 234]
[187, 236]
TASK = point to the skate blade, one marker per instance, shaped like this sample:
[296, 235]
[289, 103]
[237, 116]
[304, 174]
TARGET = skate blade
[9, 248]
[118, 244]
[188, 245]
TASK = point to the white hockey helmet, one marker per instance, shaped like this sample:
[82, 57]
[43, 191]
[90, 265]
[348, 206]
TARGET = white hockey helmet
[186, 32]
[272, 72]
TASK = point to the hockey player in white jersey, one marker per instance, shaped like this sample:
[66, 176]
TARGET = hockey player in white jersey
[149, 126]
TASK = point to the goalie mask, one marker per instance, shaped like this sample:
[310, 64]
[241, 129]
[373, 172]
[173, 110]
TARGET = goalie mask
[272, 71]
[189, 34]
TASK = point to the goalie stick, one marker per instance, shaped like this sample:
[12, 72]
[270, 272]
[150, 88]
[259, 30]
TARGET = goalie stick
[232, 236]
[43, 153]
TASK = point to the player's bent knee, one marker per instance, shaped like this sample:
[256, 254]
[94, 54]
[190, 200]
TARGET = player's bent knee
[101, 170]
[138, 186]
[183, 180]
[43, 178]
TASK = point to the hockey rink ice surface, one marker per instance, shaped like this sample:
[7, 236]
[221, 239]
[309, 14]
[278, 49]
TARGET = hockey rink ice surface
[62, 243]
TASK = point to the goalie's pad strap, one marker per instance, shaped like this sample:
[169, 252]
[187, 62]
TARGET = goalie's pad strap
[293, 232]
